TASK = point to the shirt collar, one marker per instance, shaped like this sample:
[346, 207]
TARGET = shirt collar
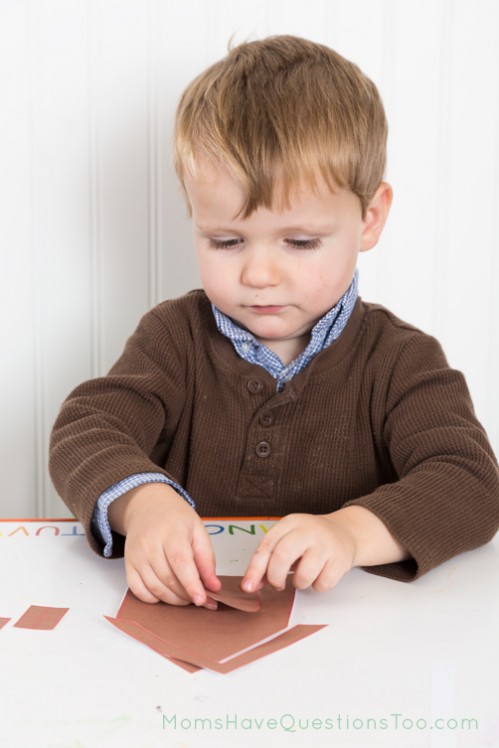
[324, 332]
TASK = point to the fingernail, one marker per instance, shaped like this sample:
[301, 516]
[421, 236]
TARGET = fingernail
[211, 604]
[247, 585]
[198, 600]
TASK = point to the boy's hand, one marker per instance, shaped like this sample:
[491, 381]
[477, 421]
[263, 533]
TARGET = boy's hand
[168, 552]
[321, 549]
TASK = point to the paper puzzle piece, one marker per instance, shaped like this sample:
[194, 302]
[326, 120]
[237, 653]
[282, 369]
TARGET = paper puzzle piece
[3, 622]
[196, 660]
[232, 595]
[219, 633]
[41, 618]
[220, 640]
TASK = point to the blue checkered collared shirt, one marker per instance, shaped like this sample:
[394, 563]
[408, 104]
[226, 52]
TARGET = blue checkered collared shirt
[326, 331]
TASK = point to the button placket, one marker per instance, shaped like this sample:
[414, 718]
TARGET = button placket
[265, 443]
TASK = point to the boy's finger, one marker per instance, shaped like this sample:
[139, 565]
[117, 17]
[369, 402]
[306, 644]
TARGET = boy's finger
[256, 573]
[138, 587]
[148, 588]
[184, 567]
[163, 584]
[261, 584]
[308, 569]
[205, 561]
[281, 563]
[210, 604]
[257, 569]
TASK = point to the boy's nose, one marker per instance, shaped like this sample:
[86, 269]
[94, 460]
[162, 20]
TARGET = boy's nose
[260, 269]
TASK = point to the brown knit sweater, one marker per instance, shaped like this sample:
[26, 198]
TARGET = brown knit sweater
[377, 419]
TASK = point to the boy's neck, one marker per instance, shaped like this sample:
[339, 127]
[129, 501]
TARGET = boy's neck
[287, 350]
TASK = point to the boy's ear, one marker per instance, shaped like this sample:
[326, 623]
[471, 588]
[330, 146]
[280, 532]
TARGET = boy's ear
[376, 215]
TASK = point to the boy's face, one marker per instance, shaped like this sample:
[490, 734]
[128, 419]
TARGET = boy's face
[277, 272]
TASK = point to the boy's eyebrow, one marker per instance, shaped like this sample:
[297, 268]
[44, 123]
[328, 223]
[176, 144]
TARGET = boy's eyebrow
[303, 228]
[309, 228]
[213, 229]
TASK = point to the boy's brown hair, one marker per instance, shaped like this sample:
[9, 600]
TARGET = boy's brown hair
[284, 111]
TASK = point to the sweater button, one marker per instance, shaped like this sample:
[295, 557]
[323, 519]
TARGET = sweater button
[266, 419]
[254, 386]
[263, 449]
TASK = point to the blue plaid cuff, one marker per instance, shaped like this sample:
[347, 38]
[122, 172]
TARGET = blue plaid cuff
[100, 521]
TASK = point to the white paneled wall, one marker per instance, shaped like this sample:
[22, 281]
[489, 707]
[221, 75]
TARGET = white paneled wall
[93, 230]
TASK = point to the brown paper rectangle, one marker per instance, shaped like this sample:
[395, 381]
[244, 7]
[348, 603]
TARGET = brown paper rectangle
[280, 641]
[41, 618]
[159, 645]
[232, 595]
[196, 660]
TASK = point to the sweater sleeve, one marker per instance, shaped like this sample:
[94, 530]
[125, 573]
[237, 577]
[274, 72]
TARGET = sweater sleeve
[115, 426]
[445, 498]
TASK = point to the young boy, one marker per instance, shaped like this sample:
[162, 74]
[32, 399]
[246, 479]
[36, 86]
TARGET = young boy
[276, 390]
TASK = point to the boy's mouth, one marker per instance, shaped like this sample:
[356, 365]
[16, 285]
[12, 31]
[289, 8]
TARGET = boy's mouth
[269, 309]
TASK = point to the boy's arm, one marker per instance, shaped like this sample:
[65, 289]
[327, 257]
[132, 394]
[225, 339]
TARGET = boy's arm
[323, 548]
[108, 427]
[112, 427]
[444, 496]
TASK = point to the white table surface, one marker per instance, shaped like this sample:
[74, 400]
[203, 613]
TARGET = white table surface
[397, 662]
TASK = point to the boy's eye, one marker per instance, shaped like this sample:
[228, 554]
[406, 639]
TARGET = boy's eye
[234, 242]
[223, 243]
[305, 243]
